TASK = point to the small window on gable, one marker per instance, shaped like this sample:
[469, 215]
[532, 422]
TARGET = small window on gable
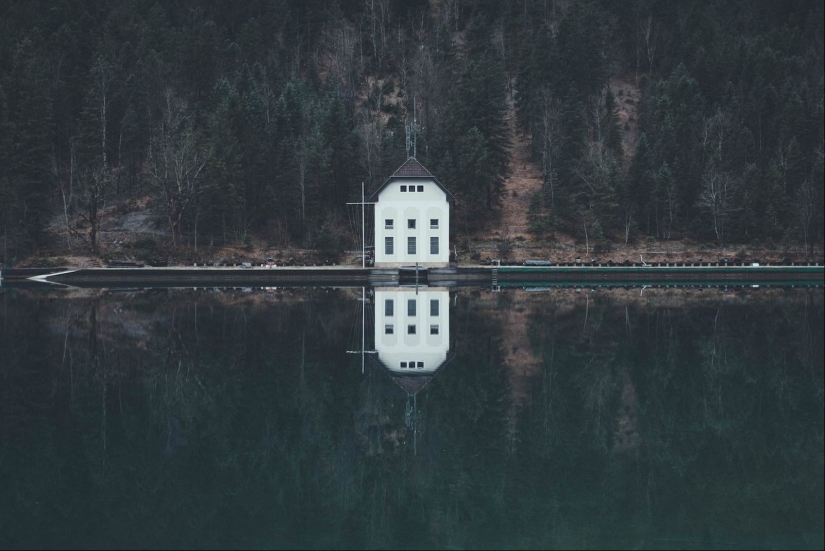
[420, 189]
[403, 189]
[389, 330]
[411, 329]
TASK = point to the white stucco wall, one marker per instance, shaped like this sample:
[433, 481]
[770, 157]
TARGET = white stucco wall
[401, 346]
[422, 207]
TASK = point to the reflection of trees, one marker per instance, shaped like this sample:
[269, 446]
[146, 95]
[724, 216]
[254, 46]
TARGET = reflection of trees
[209, 420]
[726, 396]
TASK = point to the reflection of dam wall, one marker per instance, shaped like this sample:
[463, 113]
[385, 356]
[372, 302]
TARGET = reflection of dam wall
[412, 332]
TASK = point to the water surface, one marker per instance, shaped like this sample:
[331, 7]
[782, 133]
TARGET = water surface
[209, 418]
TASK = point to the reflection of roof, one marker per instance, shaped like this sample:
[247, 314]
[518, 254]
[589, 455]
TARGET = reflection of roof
[411, 169]
[411, 384]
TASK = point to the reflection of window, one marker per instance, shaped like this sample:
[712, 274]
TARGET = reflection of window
[434, 307]
[411, 329]
[403, 189]
[433, 330]
[433, 223]
[420, 365]
[388, 245]
[411, 223]
[388, 224]
[433, 245]
[411, 307]
[411, 245]
[389, 330]
[389, 307]
[420, 188]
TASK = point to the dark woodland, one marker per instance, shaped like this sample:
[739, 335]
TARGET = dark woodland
[229, 120]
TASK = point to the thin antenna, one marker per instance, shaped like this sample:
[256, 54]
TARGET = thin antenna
[408, 135]
[363, 237]
[415, 131]
[411, 131]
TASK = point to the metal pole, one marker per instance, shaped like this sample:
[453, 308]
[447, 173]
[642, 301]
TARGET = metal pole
[363, 237]
[363, 326]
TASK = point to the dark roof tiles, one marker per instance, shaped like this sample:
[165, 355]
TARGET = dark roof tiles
[412, 169]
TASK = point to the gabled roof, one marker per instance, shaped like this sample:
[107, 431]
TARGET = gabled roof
[411, 170]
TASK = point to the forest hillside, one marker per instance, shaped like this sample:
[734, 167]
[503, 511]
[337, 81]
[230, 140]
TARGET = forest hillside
[143, 129]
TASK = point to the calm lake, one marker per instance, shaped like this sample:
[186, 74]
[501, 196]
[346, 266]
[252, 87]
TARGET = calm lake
[283, 418]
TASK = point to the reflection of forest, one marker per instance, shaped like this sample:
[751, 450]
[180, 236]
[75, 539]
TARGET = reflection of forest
[183, 418]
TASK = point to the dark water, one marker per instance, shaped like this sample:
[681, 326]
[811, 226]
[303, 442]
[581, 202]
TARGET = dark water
[677, 419]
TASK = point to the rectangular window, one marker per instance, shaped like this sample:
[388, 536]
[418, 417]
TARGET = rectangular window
[389, 330]
[433, 245]
[411, 245]
[411, 223]
[420, 189]
[389, 307]
[388, 224]
[433, 223]
[434, 307]
[420, 365]
[388, 245]
[433, 330]
[411, 329]
[411, 307]
[403, 364]
[403, 189]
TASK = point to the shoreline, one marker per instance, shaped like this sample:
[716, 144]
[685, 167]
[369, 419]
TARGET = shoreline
[577, 274]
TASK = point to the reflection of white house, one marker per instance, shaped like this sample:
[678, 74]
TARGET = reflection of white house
[412, 219]
[412, 333]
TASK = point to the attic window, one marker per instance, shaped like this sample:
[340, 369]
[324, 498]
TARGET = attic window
[420, 189]
[403, 189]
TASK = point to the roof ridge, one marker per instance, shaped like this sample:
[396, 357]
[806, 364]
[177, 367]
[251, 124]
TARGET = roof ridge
[412, 167]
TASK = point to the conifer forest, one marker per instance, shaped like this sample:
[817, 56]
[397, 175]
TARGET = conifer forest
[228, 120]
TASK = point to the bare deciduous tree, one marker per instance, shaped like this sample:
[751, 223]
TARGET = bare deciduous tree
[177, 158]
[717, 191]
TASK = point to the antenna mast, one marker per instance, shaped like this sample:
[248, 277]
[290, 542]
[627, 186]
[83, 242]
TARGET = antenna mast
[411, 131]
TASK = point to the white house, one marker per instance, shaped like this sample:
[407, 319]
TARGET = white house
[412, 219]
[412, 333]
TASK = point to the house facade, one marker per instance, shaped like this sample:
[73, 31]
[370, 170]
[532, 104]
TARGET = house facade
[412, 219]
